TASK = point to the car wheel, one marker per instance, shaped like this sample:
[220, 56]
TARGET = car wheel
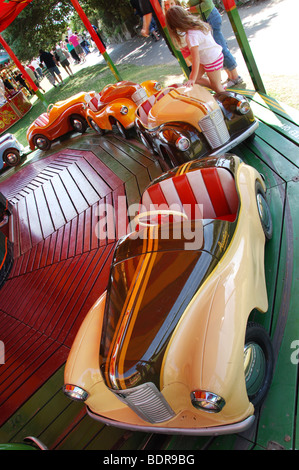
[144, 140]
[97, 128]
[121, 129]
[12, 157]
[41, 142]
[168, 157]
[258, 363]
[264, 211]
[78, 123]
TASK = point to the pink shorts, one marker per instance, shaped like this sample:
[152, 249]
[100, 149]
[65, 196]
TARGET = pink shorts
[217, 65]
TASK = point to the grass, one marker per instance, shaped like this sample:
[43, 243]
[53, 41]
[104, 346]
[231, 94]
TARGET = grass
[93, 78]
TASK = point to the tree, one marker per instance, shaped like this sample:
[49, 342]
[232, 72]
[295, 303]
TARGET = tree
[39, 25]
[42, 24]
[109, 17]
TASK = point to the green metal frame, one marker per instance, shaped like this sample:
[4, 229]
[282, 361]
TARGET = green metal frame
[235, 20]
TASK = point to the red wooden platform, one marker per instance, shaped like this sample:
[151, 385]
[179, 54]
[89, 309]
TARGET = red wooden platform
[61, 262]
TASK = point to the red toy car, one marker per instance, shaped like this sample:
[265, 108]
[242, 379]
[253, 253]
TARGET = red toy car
[60, 118]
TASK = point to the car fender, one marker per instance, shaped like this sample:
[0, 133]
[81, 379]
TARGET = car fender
[114, 109]
[212, 358]
[82, 366]
[151, 87]
[105, 117]
[11, 142]
[168, 135]
[85, 349]
[30, 135]
[62, 124]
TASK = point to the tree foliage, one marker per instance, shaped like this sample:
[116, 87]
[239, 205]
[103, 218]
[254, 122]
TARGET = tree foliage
[42, 24]
[39, 25]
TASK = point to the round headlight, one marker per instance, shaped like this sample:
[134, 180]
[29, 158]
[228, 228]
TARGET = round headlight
[74, 392]
[243, 107]
[124, 110]
[182, 143]
[207, 401]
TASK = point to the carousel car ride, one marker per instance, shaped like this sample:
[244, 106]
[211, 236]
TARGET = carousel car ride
[168, 347]
[10, 151]
[60, 118]
[116, 104]
[180, 123]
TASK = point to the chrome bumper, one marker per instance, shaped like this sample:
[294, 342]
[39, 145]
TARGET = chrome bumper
[211, 431]
[237, 140]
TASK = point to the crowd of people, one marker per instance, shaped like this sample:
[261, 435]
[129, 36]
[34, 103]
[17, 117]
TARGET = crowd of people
[46, 64]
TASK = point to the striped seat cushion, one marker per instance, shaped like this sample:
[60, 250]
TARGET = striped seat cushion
[208, 193]
[42, 120]
[145, 108]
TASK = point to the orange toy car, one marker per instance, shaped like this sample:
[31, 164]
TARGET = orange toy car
[116, 105]
[60, 118]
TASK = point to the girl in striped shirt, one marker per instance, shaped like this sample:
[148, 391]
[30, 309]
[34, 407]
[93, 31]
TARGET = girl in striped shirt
[206, 54]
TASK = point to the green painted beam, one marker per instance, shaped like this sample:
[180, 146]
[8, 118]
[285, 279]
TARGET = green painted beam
[234, 18]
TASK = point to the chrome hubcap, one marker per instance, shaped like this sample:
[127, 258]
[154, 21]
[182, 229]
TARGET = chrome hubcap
[77, 124]
[120, 129]
[11, 158]
[96, 127]
[41, 142]
[263, 210]
[254, 367]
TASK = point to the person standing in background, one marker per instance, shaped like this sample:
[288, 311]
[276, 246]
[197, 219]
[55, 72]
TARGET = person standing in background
[209, 13]
[33, 77]
[37, 68]
[74, 40]
[49, 60]
[61, 57]
[72, 51]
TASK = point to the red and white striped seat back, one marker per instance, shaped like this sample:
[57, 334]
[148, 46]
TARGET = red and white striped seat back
[207, 193]
[145, 108]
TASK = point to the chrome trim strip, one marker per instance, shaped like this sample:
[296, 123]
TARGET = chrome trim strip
[212, 431]
[240, 138]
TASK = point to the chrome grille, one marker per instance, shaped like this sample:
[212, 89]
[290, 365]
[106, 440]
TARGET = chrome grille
[147, 402]
[214, 128]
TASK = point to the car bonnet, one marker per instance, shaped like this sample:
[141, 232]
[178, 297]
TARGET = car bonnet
[151, 284]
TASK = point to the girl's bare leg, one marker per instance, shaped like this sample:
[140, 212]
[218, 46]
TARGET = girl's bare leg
[215, 81]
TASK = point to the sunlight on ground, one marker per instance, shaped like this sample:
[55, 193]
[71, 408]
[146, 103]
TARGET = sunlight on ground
[170, 79]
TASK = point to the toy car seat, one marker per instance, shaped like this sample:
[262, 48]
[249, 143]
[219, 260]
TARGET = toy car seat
[42, 120]
[206, 193]
[94, 103]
